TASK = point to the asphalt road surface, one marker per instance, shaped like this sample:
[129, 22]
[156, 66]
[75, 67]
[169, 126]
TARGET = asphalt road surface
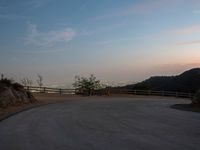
[95, 123]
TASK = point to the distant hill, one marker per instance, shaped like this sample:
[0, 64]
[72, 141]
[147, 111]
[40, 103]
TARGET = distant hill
[188, 81]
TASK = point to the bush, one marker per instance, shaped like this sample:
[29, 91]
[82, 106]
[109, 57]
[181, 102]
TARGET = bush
[17, 86]
[86, 86]
[196, 99]
[6, 82]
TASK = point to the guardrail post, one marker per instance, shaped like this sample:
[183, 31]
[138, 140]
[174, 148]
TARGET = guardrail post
[177, 94]
[189, 95]
[60, 91]
[135, 92]
[149, 92]
[44, 89]
[163, 93]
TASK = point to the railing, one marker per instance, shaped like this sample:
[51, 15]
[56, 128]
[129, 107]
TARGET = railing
[49, 90]
[109, 91]
[151, 92]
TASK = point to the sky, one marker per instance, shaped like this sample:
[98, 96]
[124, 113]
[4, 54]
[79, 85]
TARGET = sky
[120, 41]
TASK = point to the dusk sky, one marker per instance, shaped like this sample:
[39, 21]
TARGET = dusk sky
[120, 41]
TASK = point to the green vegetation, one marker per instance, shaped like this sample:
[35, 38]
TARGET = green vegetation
[5, 83]
[86, 85]
[13, 93]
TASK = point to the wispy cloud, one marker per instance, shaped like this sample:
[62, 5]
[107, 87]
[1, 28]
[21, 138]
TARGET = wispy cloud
[186, 30]
[189, 42]
[33, 4]
[178, 32]
[48, 39]
[193, 30]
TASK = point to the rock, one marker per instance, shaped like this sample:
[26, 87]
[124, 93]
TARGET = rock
[15, 95]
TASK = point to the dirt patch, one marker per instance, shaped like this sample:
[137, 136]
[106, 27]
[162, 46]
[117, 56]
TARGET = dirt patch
[42, 99]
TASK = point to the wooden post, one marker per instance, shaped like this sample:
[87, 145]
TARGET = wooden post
[190, 95]
[176, 94]
[44, 89]
[60, 91]
[108, 91]
[75, 91]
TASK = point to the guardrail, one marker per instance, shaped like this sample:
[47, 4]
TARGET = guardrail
[109, 91]
[151, 92]
[49, 90]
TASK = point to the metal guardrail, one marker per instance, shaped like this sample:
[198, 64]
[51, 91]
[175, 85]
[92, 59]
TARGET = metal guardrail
[108, 91]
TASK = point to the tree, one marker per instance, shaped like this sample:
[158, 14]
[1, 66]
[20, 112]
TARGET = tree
[27, 82]
[39, 80]
[2, 76]
[86, 85]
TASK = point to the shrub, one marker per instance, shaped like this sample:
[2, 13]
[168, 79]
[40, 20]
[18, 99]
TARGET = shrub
[196, 99]
[6, 82]
[86, 86]
[17, 86]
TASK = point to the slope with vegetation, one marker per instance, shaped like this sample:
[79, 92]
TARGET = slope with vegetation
[13, 94]
[189, 81]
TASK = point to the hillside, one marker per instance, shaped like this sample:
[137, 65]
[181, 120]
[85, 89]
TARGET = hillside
[188, 81]
[12, 94]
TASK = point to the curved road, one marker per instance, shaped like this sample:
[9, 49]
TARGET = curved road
[103, 124]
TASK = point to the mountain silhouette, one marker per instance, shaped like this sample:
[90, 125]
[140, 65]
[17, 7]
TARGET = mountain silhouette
[188, 81]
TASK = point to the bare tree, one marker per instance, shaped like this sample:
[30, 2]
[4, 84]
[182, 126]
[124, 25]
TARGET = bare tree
[27, 82]
[39, 80]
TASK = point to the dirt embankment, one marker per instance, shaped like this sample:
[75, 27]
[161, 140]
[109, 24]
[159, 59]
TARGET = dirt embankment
[15, 95]
[41, 99]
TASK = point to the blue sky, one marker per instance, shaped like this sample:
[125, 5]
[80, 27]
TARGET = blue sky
[118, 41]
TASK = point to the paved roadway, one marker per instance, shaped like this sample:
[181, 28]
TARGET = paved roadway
[103, 124]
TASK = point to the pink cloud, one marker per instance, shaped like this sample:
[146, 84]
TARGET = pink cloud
[189, 42]
[186, 30]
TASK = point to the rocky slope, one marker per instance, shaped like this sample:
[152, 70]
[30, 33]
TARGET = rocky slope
[12, 94]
